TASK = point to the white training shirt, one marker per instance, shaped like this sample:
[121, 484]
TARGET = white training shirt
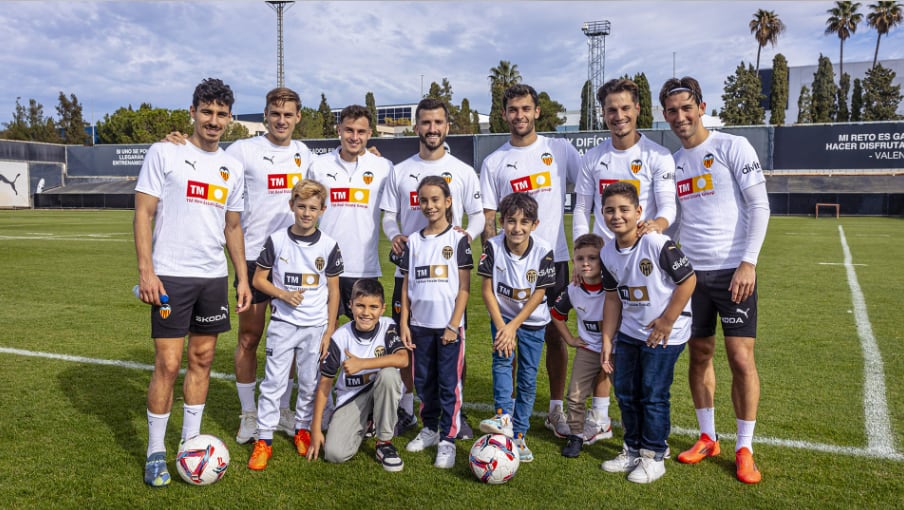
[270, 173]
[645, 276]
[432, 263]
[301, 262]
[646, 164]
[540, 169]
[588, 306]
[515, 279]
[195, 189]
[352, 216]
[715, 217]
[381, 341]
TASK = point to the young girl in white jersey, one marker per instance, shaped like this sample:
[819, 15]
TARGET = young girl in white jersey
[436, 265]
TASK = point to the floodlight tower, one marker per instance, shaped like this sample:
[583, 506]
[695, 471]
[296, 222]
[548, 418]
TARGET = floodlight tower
[596, 32]
[280, 8]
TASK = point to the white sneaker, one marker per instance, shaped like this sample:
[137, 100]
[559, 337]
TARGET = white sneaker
[557, 423]
[445, 455]
[524, 453]
[648, 469]
[499, 424]
[247, 428]
[424, 439]
[623, 463]
[286, 421]
[596, 427]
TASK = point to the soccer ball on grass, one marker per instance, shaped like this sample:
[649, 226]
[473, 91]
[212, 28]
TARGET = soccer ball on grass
[202, 460]
[494, 459]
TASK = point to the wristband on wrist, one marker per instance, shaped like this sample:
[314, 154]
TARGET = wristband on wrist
[454, 330]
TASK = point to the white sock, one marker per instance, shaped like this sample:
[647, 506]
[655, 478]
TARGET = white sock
[191, 420]
[287, 395]
[706, 419]
[553, 404]
[407, 402]
[745, 434]
[246, 396]
[601, 404]
[156, 432]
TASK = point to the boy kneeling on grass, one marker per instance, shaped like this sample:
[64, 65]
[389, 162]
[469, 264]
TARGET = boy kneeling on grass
[648, 283]
[364, 357]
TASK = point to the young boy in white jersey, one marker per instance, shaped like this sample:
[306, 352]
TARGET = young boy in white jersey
[437, 266]
[355, 179]
[188, 204]
[587, 375]
[648, 284]
[364, 357]
[517, 269]
[299, 268]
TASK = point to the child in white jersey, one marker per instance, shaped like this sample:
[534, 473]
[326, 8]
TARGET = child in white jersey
[648, 283]
[517, 268]
[587, 375]
[436, 264]
[305, 264]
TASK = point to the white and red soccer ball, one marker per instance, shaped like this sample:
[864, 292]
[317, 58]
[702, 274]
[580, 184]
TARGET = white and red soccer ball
[202, 460]
[494, 459]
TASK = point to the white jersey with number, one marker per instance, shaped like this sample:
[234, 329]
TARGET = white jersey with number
[270, 173]
[381, 342]
[195, 189]
[645, 276]
[714, 215]
[542, 170]
[646, 164]
[352, 216]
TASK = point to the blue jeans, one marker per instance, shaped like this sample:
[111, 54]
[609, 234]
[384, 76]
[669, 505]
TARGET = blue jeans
[529, 349]
[437, 379]
[643, 378]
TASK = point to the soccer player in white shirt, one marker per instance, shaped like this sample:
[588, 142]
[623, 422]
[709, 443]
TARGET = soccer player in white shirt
[188, 203]
[724, 215]
[627, 156]
[355, 179]
[402, 215]
[539, 166]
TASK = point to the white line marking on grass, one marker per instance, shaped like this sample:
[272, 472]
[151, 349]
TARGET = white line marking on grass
[875, 407]
[489, 409]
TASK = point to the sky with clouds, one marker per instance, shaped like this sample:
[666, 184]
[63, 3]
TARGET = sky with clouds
[112, 54]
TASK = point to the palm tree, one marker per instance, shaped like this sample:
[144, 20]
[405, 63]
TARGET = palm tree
[884, 16]
[504, 75]
[843, 23]
[765, 27]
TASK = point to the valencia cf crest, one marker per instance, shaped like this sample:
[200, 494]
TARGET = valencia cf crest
[448, 177]
[297, 159]
[646, 267]
[546, 158]
[397, 306]
[379, 351]
[636, 165]
[368, 177]
[165, 311]
[447, 252]
[320, 263]
[224, 173]
[531, 276]
[708, 161]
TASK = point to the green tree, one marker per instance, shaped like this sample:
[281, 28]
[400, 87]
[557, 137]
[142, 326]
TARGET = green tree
[235, 131]
[463, 124]
[645, 97]
[589, 119]
[501, 77]
[880, 96]
[857, 101]
[804, 106]
[70, 120]
[741, 98]
[371, 105]
[311, 124]
[844, 86]
[843, 21]
[144, 125]
[822, 104]
[29, 123]
[778, 97]
[17, 128]
[883, 16]
[765, 27]
[329, 122]
[549, 113]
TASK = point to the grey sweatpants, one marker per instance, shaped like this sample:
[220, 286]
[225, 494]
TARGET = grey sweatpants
[349, 422]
